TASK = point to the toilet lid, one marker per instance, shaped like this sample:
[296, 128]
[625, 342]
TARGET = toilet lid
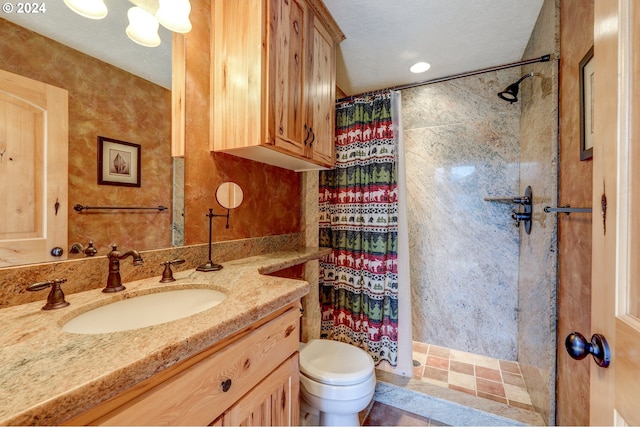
[335, 363]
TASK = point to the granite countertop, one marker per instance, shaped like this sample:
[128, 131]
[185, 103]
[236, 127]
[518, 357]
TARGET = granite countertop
[48, 376]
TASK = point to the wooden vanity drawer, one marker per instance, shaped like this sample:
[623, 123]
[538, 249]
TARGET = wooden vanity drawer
[202, 392]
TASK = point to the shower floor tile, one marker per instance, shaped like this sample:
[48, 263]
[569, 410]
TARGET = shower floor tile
[493, 379]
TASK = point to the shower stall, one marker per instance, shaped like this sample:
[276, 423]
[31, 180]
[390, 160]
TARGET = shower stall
[479, 282]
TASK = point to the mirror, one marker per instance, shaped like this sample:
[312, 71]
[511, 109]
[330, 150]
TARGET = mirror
[127, 115]
[229, 195]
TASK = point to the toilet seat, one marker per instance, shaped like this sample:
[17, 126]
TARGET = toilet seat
[335, 363]
[342, 393]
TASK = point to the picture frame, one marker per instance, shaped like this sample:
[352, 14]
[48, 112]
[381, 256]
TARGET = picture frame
[119, 162]
[586, 105]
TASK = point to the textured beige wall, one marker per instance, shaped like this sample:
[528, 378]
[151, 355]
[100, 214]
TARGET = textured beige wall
[574, 231]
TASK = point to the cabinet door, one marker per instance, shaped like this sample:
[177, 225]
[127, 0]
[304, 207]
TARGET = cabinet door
[286, 109]
[321, 95]
[237, 87]
[273, 402]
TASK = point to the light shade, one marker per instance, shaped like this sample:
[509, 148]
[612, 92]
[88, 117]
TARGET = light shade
[174, 15]
[143, 27]
[92, 9]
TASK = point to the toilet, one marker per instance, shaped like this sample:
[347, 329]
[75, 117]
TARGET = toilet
[337, 381]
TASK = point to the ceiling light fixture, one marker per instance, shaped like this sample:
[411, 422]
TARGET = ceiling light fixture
[144, 17]
[174, 15]
[92, 9]
[420, 67]
[143, 27]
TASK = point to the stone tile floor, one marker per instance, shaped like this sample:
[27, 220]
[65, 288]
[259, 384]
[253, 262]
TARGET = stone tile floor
[385, 415]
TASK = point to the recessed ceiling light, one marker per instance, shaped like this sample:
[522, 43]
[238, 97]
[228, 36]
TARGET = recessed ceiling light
[420, 67]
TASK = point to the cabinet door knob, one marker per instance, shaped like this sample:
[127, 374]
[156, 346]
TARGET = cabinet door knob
[226, 385]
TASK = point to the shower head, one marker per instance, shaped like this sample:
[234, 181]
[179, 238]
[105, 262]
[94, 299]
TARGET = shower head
[511, 92]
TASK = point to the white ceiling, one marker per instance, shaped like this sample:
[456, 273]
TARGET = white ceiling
[384, 38]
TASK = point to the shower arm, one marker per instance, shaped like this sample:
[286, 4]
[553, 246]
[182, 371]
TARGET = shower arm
[526, 76]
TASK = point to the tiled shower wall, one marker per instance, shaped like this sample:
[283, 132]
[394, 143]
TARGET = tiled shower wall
[462, 146]
[538, 251]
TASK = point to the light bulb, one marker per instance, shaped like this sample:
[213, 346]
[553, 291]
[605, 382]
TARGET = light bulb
[420, 67]
[143, 27]
[174, 15]
[92, 9]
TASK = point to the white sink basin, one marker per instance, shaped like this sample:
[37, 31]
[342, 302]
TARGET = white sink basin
[144, 310]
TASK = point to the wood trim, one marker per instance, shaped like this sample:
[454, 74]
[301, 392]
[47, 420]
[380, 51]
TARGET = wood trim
[178, 94]
[626, 377]
[603, 269]
[321, 11]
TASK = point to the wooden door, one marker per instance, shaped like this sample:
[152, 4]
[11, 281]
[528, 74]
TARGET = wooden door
[321, 95]
[289, 22]
[615, 308]
[273, 402]
[33, 170]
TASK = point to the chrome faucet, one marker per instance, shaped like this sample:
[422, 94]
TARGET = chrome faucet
[114, 281]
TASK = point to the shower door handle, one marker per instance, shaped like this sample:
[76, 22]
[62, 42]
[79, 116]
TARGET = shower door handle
[578, 348]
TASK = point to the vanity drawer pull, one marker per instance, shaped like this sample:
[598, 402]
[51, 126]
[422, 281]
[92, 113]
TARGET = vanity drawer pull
[226, 385]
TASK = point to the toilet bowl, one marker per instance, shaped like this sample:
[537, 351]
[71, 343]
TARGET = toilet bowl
[337, 380]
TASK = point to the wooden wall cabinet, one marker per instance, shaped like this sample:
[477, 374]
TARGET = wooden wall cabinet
[273, 81]
[251, 378]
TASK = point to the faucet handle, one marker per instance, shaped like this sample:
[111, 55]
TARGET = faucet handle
[90, 250]
[167, 274]
[55, 299]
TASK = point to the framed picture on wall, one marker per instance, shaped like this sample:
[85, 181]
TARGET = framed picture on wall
[586, 106]
[118, 162]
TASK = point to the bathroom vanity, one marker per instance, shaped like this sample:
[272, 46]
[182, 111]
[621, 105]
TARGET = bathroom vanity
[233, 362]
[210, 388]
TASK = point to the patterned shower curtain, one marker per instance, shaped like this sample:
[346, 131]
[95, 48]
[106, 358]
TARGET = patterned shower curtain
[358, 220]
